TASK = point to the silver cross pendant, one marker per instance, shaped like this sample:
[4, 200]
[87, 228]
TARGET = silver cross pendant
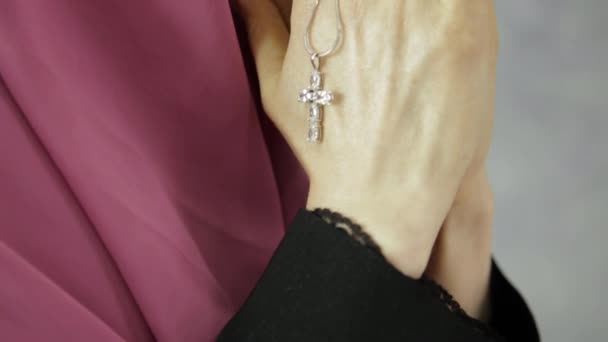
[317, 97]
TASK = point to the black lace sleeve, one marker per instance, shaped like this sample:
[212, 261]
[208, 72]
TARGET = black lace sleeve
[357, 232]
[328, 284]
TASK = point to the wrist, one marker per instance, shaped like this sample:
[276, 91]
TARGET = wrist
[404, 230]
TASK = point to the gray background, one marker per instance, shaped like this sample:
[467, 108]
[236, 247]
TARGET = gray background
[549, 162]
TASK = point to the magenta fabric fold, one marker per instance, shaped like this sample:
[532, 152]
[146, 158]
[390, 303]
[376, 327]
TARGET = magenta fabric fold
[142, 192]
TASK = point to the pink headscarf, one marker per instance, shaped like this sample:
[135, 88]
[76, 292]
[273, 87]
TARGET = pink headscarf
[141, 192]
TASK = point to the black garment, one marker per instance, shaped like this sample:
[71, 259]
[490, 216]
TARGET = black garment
[322, 285]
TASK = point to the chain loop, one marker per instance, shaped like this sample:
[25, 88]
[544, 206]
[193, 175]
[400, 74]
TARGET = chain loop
[307, 44]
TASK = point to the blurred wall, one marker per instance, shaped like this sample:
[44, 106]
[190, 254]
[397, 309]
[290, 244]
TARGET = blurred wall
[549, 163]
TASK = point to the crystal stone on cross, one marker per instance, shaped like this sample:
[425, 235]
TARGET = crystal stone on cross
[314, 93]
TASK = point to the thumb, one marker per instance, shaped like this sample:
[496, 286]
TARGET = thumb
[268, 38]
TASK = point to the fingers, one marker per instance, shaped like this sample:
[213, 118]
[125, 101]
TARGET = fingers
[268, 37]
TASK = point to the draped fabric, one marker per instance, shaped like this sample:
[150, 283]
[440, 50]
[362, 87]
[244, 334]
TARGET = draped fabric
[142, 192]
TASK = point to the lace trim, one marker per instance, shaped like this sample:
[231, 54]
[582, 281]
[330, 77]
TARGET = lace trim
[346, 224]
[358, 234]
[453, 306]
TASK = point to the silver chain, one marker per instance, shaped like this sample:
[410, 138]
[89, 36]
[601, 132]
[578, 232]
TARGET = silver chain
[307, 44]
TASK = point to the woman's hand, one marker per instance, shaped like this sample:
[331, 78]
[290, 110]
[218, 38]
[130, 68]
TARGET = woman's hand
[416, 83]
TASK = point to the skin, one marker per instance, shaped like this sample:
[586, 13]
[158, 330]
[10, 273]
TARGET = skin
[405, 145]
